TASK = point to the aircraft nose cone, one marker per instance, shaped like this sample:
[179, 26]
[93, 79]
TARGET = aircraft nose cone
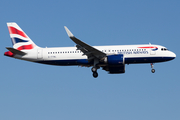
[173, 55]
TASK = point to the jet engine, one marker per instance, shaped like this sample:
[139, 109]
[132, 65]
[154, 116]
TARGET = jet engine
[115, 64]
[114, 59]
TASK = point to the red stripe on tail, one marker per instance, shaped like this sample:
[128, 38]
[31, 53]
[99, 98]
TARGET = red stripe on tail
[25, 47]
[13, 30]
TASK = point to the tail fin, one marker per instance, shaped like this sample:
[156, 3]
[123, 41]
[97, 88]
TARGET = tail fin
[19, 38]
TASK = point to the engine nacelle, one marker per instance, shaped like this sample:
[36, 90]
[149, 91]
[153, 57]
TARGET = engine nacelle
[115, 59]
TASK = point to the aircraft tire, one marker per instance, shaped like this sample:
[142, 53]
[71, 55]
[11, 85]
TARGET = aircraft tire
[95, 74]
[153, 70]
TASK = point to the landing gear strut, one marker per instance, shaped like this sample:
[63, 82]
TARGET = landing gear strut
[153, 70]
[94, 68]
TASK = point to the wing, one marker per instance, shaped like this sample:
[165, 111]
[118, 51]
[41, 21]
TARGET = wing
[91, 52]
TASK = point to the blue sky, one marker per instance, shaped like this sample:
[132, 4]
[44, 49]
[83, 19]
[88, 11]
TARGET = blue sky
[35, 91]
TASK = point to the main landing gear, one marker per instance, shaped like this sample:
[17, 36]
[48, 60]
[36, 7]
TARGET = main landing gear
[94, 70]
[153, 70]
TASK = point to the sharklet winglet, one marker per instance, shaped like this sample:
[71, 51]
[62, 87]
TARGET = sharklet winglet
[68, 32]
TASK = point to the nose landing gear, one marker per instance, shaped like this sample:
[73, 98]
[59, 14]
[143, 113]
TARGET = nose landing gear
[153, 70]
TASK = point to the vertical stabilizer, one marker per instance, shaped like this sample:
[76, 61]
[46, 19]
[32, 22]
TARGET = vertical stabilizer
[19, 38]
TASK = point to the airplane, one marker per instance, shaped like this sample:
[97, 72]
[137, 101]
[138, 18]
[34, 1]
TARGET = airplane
[110, 58]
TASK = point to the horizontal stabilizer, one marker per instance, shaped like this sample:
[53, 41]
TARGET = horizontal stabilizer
[15, 51]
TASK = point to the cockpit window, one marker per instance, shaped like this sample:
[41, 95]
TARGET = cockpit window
[164, 49]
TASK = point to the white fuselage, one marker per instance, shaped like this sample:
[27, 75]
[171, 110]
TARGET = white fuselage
[71, 56]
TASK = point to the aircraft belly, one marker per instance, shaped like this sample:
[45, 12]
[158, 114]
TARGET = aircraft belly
[66, 62]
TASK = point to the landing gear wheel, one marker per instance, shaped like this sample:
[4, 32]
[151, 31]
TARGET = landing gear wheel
[95, 74]
[153, 70]
[93, 69]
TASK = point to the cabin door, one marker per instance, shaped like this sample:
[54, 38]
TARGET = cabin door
[39, 53]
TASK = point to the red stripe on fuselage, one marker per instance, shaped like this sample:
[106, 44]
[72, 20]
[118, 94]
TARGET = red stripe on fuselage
[13, 30]
[148, 47]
